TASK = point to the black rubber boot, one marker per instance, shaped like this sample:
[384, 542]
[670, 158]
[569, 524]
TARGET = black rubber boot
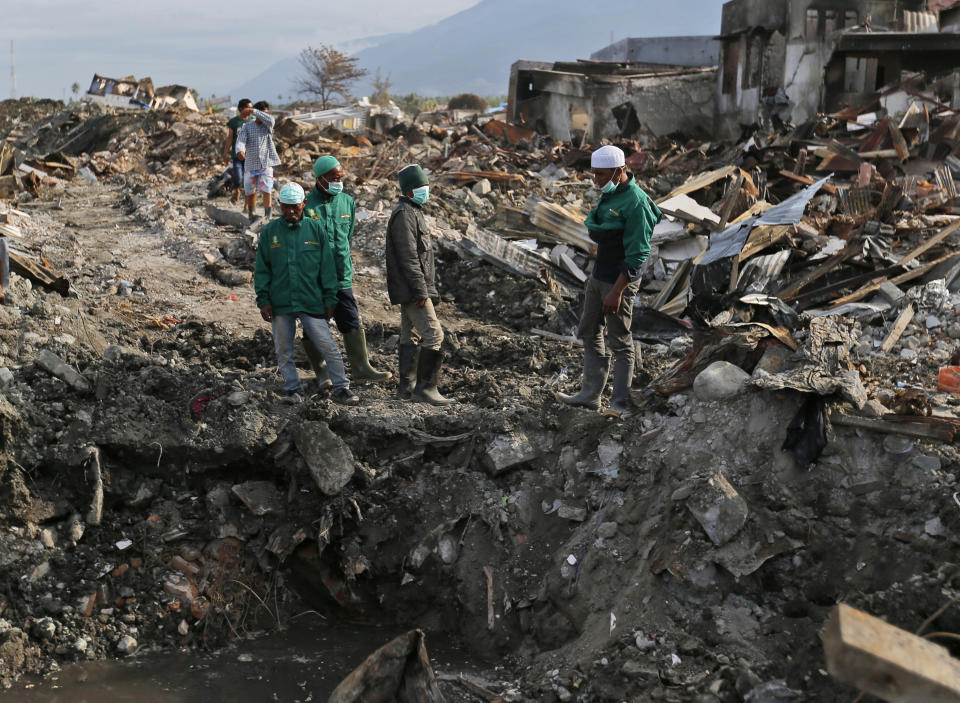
[595, 369]
[620, 403]
[407, 370]
[317, 363]
[355, 344]
[428, 375]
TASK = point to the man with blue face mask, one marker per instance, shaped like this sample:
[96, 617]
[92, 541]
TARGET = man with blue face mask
[621, 224]
[334, 210]
[411, 284]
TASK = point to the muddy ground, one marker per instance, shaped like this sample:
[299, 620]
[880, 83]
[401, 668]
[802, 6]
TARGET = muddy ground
[580, 570]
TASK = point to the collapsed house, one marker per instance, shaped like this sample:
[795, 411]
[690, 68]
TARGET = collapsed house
[774, 59]
[128, 92]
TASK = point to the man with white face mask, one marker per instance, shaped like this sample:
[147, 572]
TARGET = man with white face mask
[621, 224]
[334, 210]
[411, 284]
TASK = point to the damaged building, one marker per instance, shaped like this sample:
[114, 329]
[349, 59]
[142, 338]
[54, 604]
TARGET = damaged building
[785, 59]
[128, 92]
[795, 58]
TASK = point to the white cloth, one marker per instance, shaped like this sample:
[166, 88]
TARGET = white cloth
[607, 156]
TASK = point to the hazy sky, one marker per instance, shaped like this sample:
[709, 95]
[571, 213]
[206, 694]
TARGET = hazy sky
[210, 46]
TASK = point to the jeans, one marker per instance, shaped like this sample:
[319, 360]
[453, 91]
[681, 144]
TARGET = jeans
[420, 322]
[237, 172]
[317, 331]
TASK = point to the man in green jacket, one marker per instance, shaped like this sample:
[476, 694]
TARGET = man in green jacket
[334, 210]
[621, 224]
[296, 279]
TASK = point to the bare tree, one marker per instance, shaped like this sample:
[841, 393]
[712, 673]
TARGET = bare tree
[381, 89]
[329, 72]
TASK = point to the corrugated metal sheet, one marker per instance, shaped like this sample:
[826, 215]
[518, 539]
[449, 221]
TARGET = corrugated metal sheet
[921, 22]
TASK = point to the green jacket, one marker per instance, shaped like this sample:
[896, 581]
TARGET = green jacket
[295, 269]
[335, 213]
[621, 224]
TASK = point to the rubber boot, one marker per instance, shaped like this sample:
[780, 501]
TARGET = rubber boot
[428, 374]
[317, 363]
[620, 402]
[595, 369]
[355, 344]
[407, 370]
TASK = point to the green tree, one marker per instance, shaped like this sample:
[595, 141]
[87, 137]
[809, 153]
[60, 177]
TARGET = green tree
[381, 89]
[467, 101]
[328, 72]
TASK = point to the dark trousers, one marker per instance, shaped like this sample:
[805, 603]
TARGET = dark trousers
[237, 172]
[346, 314]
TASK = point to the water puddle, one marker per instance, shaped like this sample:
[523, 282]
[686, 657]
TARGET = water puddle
[304, 663]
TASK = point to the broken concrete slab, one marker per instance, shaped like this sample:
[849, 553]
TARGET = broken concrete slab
[719, 509]
[720, 380]
[482, 187]
[260, 497]
[55, 366]
[328, 458]
[507, 451]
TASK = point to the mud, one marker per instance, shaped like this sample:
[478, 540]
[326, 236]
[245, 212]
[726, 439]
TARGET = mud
[602, 586]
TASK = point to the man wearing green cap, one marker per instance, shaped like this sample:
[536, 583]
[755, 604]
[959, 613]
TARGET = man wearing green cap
[334, 210]
[411, 284]
[296, 279]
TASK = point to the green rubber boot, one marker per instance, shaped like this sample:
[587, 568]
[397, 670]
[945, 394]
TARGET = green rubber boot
[355, 344]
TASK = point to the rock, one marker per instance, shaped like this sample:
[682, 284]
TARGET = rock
[55, 366]
[183, 628]
[89, 176]
[927, 463]
[507, 451]
[908, 354]
[932, 322]
[482, 187]
[935, 527]
[568, 512]
[890, 292]
[632, 667]
[719, 509]
[643, 642]
[6, 376]
[607, 530]
[720, 380]
[48, 538]
[260, 497]
[447, 546]
[44, 629]
[238, 398]
[874, 408]
[113, 352]
[127, 645]
[39, 571]
[328, 458]
[229, 218]
[773, 361]
[608, 452]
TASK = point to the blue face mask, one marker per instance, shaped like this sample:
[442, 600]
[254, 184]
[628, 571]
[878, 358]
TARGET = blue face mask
[334, 187]
[421, 194]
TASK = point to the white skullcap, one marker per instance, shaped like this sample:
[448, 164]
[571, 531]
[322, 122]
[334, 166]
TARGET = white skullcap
[607, 156]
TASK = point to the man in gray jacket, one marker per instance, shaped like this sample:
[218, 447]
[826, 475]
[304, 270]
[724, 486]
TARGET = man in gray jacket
[411, 284]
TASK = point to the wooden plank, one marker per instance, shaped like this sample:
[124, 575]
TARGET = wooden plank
[807, 181]
[899, 143]
[39, 274]
[727, 208]
[762, 237]
[944, 434]
[695, 183]
[903, 319]
[820, 271]
[888, 662]
[933, 241]
[896, 280]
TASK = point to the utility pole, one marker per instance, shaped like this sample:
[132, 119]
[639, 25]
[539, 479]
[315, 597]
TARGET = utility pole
[13, 75]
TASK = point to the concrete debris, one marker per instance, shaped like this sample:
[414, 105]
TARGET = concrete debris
[328, 459]
[259, 497]
[720, 380]
[719, 509]
[508, 451]
[56, 366]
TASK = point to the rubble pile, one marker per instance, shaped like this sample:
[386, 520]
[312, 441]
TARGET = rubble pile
[792, 446]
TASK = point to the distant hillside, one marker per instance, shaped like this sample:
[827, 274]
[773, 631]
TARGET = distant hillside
[472, 51]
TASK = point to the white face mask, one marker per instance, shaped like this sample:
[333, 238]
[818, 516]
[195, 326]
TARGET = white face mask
[610, 186]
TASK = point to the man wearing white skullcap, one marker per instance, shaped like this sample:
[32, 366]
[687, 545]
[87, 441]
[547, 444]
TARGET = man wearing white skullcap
[296, 279]
[621, 224]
